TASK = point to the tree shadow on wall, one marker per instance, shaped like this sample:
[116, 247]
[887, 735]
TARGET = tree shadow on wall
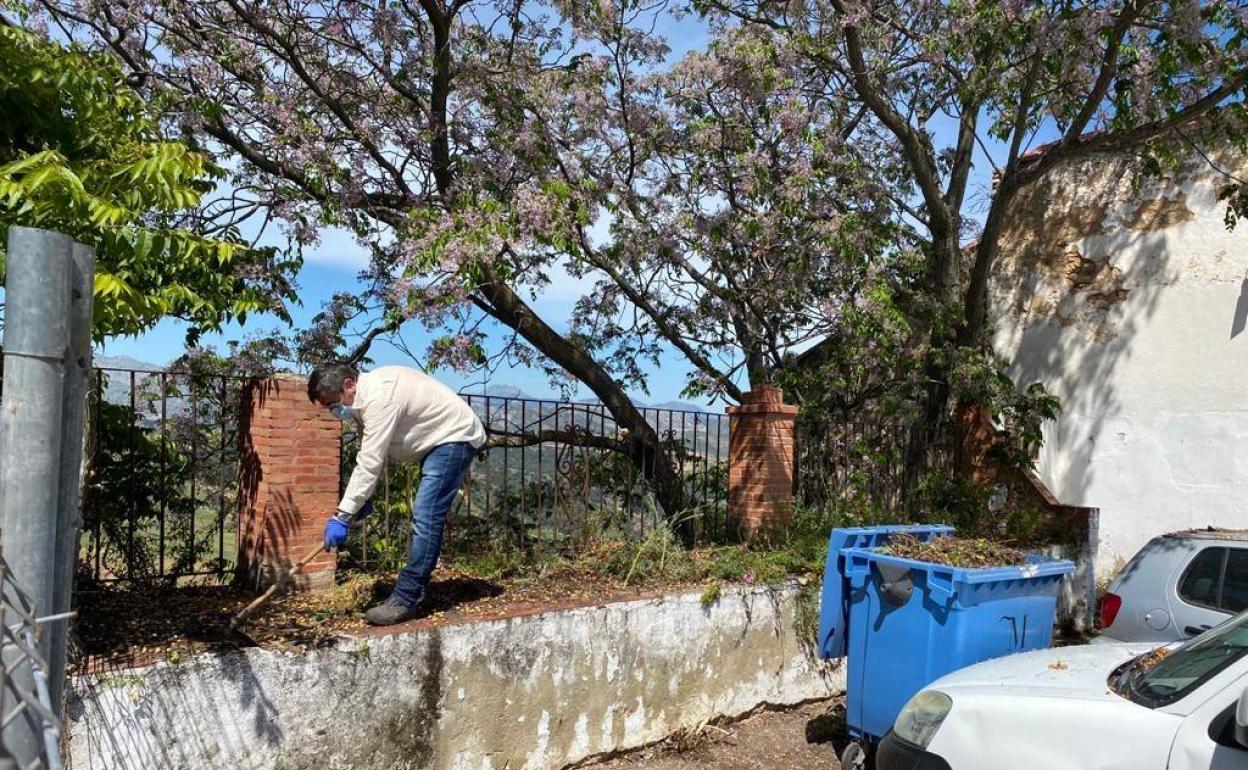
[1088, 268]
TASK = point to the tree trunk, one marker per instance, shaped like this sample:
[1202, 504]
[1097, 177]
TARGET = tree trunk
[968, 334]
[498, 299]
[645, 449]
[926, 431]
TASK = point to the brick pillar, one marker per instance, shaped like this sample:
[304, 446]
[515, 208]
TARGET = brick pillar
[288, 484]
[761, 461]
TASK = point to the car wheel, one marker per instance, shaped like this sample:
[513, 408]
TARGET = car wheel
[854, 757]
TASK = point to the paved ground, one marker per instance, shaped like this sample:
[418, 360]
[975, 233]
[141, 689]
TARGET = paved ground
[769, 740]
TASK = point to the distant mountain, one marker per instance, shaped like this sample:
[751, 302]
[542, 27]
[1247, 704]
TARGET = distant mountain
[676, 406]
[115, 376]
[125, 362]
[679, 406]
[505, 391]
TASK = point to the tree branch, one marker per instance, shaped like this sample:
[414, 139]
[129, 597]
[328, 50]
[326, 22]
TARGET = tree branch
[1024, 107]
[1109, 69]
[361, 349]
[1129, 138]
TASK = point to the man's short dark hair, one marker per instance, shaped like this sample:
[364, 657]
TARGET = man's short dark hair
[327, 381]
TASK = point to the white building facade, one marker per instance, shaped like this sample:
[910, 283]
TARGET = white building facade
[1128, 298]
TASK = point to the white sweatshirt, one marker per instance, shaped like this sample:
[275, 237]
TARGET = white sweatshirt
[405, 413]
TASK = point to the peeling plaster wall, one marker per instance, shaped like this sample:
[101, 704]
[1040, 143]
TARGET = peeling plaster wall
[535, 692]
[1129, 303]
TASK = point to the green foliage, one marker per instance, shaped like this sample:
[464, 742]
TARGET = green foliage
[569, 497]
[806, 618]
[127, 494]
[82, 153]
[855, 440]
[711, 594]
[657, 558]
[996, 512]
[980, 378]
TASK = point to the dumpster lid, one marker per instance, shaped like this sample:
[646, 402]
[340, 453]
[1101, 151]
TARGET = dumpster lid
[834, 604]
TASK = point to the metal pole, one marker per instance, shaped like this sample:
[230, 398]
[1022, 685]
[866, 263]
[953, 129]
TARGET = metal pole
[73, 438]
[36, 339]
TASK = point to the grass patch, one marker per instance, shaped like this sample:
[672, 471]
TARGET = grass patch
[711, 594]
[806, 618]
[659, 559]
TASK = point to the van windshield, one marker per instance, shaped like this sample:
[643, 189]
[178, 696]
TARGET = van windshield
[1156, 678]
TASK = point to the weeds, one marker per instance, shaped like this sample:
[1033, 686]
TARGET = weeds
[711, 594]
[657, 559]
[806, 619]
[953, 551]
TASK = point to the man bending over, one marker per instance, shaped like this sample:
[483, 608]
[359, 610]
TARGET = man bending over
[407, 416]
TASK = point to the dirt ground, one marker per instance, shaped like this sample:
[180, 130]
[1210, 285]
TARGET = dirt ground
[793, 738]
[120, 625]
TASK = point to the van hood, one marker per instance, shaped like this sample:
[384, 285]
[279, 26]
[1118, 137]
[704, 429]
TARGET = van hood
[1059, 672]
[1051, 710]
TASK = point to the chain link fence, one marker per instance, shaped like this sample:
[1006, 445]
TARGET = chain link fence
[25, 692]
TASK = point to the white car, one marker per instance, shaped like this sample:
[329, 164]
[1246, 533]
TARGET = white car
[1099, 707]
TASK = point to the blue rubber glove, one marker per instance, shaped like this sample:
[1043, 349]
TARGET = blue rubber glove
[336, 530]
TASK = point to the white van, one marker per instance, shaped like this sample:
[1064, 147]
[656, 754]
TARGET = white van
[1100, 707]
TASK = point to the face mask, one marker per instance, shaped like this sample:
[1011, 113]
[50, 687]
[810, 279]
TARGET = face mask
[342, 412]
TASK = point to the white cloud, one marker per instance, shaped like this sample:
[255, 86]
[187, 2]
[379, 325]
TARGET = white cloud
[337, 248]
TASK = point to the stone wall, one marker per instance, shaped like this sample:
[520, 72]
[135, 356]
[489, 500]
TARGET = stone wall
[537, 692]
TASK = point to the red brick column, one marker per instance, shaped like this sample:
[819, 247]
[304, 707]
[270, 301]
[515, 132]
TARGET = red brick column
[288, 484]
[761, 461]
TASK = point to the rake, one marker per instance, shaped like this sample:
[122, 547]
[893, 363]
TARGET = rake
[242, 617]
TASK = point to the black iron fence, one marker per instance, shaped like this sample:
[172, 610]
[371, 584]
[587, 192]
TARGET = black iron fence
[161, 492]
[161, 495]
[543, 496]
[867, 464]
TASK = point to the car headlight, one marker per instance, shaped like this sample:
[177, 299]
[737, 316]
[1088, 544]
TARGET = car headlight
[920, 719]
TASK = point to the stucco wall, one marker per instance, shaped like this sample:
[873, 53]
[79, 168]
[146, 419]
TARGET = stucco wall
[1129, 304]
[534, 692]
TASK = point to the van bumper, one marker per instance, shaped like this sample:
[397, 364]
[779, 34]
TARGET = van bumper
[895, 754]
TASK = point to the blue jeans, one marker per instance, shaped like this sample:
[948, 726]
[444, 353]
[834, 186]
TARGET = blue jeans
[441, 473]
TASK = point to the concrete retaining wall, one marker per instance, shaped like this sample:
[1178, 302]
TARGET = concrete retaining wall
[531, 692]
[1077, 598]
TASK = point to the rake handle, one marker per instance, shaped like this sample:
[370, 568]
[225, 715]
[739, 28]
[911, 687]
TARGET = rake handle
[273, 590]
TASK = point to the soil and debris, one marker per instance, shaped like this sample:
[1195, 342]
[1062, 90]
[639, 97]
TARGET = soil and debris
[133, 625]
[1149, 660]
[765, 740]
[954, 551]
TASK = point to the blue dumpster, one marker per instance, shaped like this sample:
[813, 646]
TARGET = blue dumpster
[905, 623]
